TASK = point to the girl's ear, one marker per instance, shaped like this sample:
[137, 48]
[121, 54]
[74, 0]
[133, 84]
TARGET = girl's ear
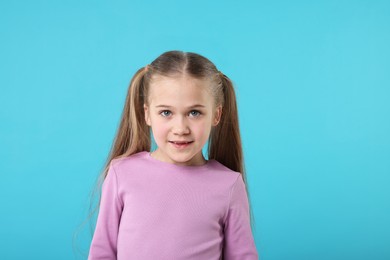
[147, 116]
[217, 115]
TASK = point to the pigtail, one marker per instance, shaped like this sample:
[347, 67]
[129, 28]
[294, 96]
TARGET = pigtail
[133, 136]
[133, 133]
[225, 140]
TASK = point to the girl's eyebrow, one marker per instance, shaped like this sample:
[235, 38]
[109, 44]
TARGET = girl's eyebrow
[193, 106]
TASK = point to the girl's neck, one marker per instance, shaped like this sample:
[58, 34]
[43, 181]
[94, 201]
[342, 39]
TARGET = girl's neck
[197, 160]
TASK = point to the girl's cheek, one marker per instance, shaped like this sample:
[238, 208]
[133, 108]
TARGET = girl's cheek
[163, 127]
[203, 123]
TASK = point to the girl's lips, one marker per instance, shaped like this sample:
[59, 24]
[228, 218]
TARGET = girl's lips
[181, 144]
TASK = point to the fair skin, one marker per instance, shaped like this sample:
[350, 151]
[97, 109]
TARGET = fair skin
[181, 113]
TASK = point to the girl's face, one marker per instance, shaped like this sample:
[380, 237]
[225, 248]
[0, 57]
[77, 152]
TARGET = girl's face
[181, 112]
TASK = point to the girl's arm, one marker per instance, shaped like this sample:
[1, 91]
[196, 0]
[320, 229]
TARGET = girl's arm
[104, 242]
[239, 243]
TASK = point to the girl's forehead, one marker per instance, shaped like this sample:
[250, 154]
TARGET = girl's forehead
[180, 89]
[182, 79]
[179, 83]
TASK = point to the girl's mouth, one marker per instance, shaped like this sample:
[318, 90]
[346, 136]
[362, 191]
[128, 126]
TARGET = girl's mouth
[181, 144]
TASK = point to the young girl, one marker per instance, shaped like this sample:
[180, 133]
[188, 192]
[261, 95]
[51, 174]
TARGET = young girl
[172, 203]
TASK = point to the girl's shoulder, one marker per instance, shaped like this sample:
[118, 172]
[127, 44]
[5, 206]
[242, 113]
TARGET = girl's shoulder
[223, 173]
[129, 161]
[219, 167]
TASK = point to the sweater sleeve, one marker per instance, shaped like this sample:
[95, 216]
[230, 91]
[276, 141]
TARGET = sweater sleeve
[104, 241]
[239, 243]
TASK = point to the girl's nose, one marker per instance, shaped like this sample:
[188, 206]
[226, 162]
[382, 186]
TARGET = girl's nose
[181, 127]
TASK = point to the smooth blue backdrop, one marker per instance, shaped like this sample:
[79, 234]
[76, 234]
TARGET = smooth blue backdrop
[312, 81]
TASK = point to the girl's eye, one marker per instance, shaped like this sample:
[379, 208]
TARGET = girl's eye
[165, 113]
[194, 113]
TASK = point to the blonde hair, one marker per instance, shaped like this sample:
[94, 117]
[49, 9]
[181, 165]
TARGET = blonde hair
[133, 134]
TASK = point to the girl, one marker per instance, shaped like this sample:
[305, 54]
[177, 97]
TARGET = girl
[172, 203]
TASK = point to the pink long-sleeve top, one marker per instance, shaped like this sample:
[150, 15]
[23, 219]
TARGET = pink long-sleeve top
[153, 210]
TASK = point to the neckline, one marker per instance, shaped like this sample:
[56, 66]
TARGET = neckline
[173, 166]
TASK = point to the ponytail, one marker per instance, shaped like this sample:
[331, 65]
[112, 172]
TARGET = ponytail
[133, 132]
[225, 140]
[133, 136]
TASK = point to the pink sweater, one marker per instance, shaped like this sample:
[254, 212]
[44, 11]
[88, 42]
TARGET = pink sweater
[153, 210]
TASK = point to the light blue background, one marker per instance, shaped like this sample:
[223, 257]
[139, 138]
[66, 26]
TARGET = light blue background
[312, 81]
